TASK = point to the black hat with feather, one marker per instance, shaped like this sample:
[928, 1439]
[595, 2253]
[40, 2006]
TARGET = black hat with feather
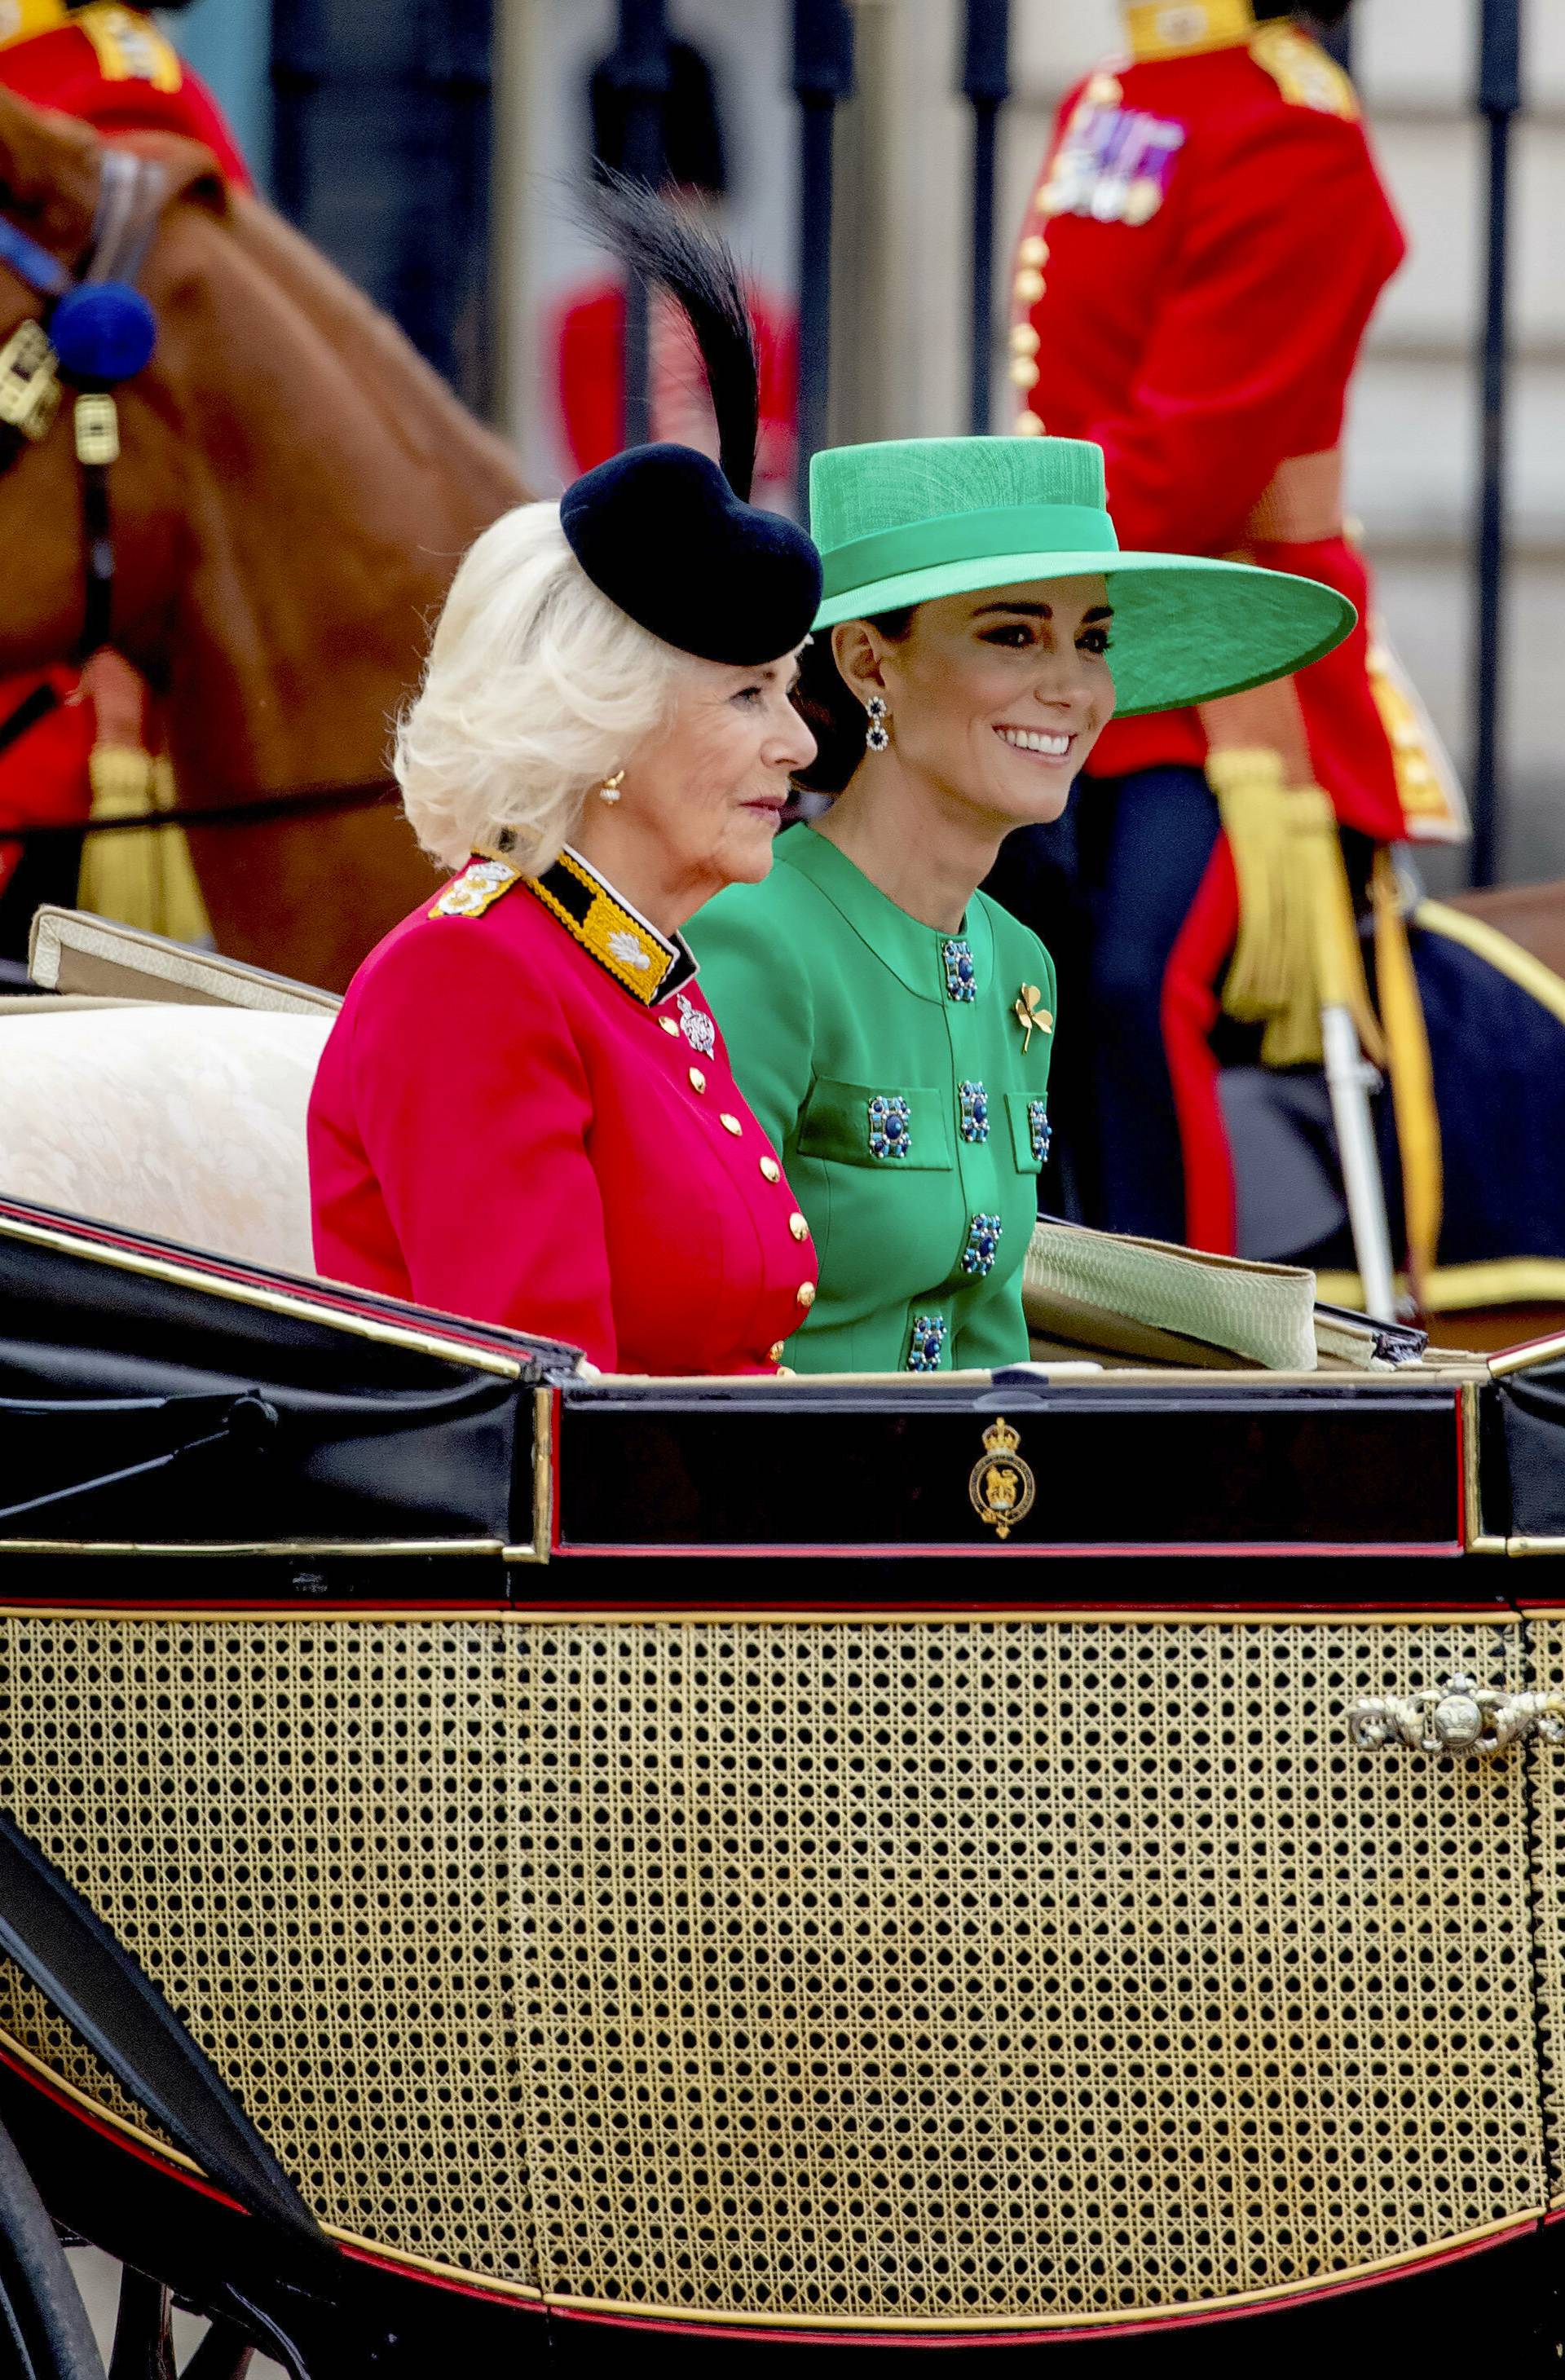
[661, 530]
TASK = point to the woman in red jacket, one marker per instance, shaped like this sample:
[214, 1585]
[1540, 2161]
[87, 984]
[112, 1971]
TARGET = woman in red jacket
[525, 1112]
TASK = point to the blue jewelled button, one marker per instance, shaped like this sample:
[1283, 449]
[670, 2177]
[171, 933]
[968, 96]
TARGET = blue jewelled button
[1042, 1131]
[983, 1244]
[960, 980]
[928, 1343]
[975, 1111]
[890, 1133]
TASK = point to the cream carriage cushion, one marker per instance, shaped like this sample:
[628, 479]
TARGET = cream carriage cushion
[187, 1121]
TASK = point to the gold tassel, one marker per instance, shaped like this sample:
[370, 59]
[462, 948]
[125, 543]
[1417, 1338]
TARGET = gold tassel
[145, 879]
[1413, 1077]
[1297, 946]
[1333, 974]
[1266, 958]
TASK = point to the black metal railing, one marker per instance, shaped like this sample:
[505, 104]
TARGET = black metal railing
[1498, 101]
[823, 63]
[639, 71]
[985, 84]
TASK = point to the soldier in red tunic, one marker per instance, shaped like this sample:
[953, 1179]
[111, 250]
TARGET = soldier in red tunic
[112, 67]
[588, 329]
[1198, 266]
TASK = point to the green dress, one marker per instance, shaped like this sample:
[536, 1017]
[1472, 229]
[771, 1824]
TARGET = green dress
[887, 1064]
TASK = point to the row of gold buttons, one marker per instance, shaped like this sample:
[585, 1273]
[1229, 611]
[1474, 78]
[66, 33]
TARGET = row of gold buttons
[771, 1171]
[1028, 287]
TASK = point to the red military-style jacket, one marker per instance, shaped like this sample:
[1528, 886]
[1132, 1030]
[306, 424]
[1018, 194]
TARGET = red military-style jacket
[112, 69]
[588, 336]
[1198, 266]
[525, 1114]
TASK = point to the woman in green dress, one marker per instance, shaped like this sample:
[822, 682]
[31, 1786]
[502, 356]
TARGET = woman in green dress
[891, 1025]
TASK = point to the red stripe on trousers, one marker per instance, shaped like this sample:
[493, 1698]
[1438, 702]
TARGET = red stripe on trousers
[1189, 1011]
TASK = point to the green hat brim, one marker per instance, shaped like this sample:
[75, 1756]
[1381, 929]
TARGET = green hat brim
[1186, 629]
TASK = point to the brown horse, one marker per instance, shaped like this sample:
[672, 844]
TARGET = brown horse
[294, 490]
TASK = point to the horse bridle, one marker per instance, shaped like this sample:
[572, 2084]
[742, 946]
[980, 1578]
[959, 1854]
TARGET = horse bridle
[96, 330]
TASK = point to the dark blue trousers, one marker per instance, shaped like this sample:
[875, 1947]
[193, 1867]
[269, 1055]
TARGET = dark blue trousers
[1108, 888]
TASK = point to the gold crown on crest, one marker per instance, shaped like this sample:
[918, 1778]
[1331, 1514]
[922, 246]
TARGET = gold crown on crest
[1000, 1438]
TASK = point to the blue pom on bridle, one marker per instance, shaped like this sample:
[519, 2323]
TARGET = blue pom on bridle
[103, 331]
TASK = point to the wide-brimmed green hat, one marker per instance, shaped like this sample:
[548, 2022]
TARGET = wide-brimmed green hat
[910, 518]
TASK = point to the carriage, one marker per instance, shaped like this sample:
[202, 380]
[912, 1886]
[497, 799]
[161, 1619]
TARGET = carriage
[470, 1892]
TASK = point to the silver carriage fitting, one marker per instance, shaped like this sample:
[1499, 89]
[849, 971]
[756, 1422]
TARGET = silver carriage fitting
[1457, 1717]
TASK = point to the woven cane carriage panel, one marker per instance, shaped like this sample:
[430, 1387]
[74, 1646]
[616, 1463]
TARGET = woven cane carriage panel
[1009, 1972]
[296, 1829]
[885, 1973]
[1548, 1658]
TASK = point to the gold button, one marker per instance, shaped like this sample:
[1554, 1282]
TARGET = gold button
[798, 1227]
[731, 1123]
[1024, 372]
[1029, 425]
[786, 1372]
[807, 1294]
[698, 1080]
[771, 1169]
[1027, 285]
[1024, 340]
[1105, 90]
[774, 1353]
[1050, 199]
[670, 1024]
[1034, 249]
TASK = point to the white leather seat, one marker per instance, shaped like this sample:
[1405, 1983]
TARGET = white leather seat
[187, 1121]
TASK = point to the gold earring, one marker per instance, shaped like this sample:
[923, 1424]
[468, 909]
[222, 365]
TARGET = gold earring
[609, 790]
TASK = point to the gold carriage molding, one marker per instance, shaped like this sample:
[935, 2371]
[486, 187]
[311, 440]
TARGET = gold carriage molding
[964, 1974]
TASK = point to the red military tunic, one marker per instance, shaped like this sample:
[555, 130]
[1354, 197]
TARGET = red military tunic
[525, 1114]
[1202, 257]
[589, 338]
[110, 67]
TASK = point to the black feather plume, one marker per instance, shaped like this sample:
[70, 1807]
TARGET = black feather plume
[700, 273]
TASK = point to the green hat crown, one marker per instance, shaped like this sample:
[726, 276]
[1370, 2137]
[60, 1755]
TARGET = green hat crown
[914, 502]
[911, 519]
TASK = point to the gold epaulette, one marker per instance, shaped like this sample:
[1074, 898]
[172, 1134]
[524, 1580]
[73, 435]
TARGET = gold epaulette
[129, 47]
[478, 887]
[1302, 72]
[25, 19]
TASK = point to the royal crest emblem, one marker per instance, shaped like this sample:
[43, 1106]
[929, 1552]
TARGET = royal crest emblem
[1001, 1484]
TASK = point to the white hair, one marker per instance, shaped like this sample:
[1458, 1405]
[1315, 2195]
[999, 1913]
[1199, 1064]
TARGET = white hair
[537, 689]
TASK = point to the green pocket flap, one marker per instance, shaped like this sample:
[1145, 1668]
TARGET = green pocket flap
[1029, 1129]
[884, 1125]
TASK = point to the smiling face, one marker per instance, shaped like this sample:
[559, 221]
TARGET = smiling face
[701, 804]
[995, 699]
